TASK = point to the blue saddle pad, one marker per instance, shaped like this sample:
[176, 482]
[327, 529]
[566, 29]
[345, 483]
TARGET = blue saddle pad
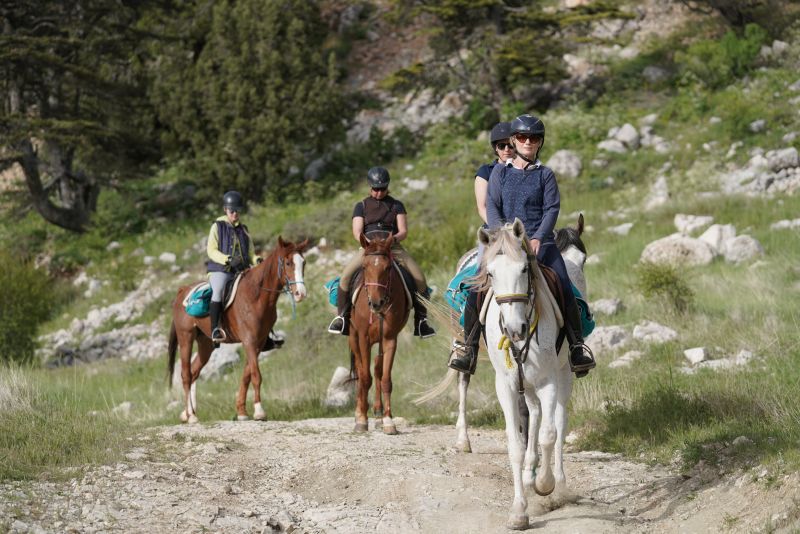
[587, 319]
[197, 305]
[458, 290]
[332, 286]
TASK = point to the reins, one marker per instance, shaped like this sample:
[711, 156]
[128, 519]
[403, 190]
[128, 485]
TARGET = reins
[388, 297]
[283, 279]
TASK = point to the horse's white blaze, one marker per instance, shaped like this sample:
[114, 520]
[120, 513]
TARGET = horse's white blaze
[299, 287]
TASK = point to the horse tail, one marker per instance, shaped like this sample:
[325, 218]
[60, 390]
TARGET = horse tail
[443, 385]
[173, 346]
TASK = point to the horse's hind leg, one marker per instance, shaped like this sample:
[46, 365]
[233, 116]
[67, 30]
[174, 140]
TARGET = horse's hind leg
[377, 407]
[462, 441]
[185, 342]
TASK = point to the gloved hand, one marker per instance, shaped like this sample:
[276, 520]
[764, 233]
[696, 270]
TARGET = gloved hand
[259, 260]
[236, 263]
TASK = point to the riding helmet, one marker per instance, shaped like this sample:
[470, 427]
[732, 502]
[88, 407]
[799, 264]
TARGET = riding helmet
[529, 125]
[233, 201]
[501, 130]
[378, 177]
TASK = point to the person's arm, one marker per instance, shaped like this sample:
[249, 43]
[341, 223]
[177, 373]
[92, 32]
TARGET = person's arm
[358, 227]
[551, 205]
[481, 187]
[494, 202]
[212, 249]
[402, 227]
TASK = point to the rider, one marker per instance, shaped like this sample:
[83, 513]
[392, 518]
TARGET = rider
[230, 250]
[500, 140]
[378, 215]
[527, 190]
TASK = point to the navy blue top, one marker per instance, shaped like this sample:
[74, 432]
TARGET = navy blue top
[485, 170]
[530, 194]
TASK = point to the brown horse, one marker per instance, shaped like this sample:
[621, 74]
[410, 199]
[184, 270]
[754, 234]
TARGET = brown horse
[379, 313]
[248, 320]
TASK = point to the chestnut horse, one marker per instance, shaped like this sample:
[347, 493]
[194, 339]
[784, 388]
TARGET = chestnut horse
[379, 314]
[248, 320]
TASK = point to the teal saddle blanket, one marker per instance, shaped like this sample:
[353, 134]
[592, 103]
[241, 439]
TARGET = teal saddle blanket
[459, 287]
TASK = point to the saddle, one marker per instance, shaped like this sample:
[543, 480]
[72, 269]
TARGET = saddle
[357, 282]
[228, 294]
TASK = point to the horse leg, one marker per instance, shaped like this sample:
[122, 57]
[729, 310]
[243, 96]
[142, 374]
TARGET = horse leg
[361, 349]
[199, 360]
[507, 395]
[189, 415]
[462, 441]
[255, 377]
[564, 384]
[390, 346]
[377, 407]
[545, 483]
[532, 450]
[241, 395]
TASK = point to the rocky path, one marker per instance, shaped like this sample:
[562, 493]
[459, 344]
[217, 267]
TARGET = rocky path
[319, 476]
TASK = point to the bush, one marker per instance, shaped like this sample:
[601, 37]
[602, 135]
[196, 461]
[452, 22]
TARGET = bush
[664, 282]
[27, 302]
[716, 63]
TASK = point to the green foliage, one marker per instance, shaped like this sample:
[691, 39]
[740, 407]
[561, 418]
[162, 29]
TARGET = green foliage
[28, 301]
[665, 282]
[716, 63]
[403, 80]
[248, 94]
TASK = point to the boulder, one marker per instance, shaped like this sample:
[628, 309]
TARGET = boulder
[167, 257]
[627, 135]
[785, 158]
[686, 224]
[758, 125]
[606, 306]
[622, 229]
[652, 332]
[565, 163]
[742, 248]
[717, 235]
[677, 249]
[785, 224]
[612, 145]
[658, 195]
[606, 339]
[696, 355]
[626, 359]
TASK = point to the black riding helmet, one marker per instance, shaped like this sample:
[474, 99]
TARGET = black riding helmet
[378, 178]
[501, 130]
[232, 200]
[528, 125]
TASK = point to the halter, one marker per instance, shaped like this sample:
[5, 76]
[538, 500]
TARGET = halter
[283, 279]
[383, 286]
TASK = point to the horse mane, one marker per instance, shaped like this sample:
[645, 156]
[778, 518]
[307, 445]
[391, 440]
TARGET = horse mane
[567, 237]
[502, 241]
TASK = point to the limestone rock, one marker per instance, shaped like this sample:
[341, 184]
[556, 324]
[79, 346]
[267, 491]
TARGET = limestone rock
[652, 332]
[340, 389]
[566, 163]
[677, 249]
[686, 224]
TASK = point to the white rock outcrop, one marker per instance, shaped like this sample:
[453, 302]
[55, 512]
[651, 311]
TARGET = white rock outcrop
[678, 249]
[652, 332]
[566, 163]
[687, 224]
[340, 389]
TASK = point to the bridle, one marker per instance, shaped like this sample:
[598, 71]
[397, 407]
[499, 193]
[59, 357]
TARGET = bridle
[285, 282]
[385, 287]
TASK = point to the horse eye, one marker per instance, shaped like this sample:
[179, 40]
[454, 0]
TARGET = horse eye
[525, 269]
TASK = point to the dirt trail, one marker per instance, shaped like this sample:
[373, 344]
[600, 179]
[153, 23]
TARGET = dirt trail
[319, 476]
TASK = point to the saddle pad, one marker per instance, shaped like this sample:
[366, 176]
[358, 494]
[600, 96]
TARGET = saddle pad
[201, 286]
[458, 289]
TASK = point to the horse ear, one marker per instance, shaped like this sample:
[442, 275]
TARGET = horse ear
[281, 242]
[518, 228]
[363, 240]
[302, 246]
[483, 236]
[580, 224]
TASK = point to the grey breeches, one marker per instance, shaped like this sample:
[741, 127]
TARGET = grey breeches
[218, 281]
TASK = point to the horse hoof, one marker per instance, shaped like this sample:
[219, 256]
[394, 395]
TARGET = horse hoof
[389, 430]
[517, 522]
[464, 447]
[260, 417]
[184, 417]
[378, 423]
[242, 418]
[361, 427]
[544, 490]
[193, 419]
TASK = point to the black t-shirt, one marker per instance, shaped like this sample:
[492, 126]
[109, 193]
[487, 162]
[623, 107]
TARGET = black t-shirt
[389, 208]
[485, 170]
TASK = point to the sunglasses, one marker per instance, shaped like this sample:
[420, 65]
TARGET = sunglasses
[503, 146]
[520, 137]
[379, 189]
[232, 210]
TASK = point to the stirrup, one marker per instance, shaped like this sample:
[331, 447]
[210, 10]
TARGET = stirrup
[337, 327]
[463, 358]
[582, 369]
[218, 334]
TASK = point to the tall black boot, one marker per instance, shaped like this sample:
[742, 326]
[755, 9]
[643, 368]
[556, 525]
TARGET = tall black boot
[581, 358]
[421, 326]
[341, 323]
[215, 311]
[465, 355]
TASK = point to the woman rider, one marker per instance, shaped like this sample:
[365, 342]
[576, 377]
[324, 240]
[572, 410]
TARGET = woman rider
[528, 190]
[504, 150]
[229, 250]
[378, 215]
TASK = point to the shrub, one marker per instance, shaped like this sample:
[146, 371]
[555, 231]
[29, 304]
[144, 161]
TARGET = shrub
[664, 282]
[27, 302]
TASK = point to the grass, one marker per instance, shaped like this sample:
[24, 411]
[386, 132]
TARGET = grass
[649, 410]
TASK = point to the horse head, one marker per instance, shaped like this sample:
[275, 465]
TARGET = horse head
[570, 244]
[377, 266]
[509, 268]
[291, 267]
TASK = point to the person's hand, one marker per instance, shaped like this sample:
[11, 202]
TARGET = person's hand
[259, 260]
[534, 243]
[236, 263]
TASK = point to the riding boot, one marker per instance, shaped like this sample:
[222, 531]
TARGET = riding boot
[215, 311]
[341, 323]
[421, 326]
[581, 358]
[272, 342]
[464, 356]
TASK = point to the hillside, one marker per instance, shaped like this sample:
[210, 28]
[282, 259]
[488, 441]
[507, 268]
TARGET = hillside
[678, 141]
